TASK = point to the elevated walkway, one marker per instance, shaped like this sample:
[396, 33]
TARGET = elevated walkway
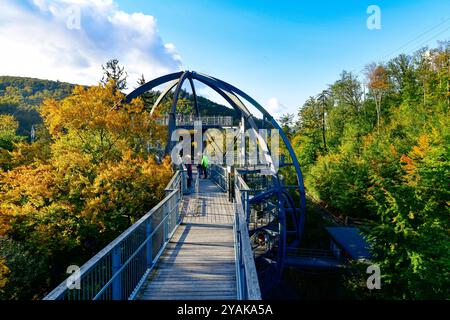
[191, 246]
[314, 259]
[199, 261]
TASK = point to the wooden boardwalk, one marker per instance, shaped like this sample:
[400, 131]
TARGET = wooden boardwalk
[199, 262]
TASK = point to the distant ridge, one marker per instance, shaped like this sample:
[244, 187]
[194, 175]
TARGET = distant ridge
[22, 96]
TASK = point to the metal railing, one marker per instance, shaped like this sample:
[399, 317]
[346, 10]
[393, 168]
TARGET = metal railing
[119, 270]
[242, 193]
[246, 274]
[310, 253]
[189, 120]
[219, 175]
[339, 219]
[178, 182]
[318, 254]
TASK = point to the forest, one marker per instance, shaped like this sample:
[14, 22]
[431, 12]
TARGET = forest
[22, 97]
[372, 147]
[376, 148]
[86, 176]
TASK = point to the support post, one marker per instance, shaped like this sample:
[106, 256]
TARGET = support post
[245, 202]
[149, 249]
[172, 127]
[229, 181]
[166, 221]
[117, 282]
[179, 197]
[184, 182]
[242, 144]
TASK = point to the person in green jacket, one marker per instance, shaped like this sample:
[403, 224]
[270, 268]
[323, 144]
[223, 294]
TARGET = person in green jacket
[205, 163]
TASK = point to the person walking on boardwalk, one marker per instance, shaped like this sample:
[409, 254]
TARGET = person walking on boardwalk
[189, 172]
[205, 163]
[199, 165]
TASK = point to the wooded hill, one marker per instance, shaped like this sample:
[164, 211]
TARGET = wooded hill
[22, 97]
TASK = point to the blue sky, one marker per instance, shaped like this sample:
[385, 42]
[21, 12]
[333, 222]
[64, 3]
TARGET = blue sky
[290, 49]
[280, 52]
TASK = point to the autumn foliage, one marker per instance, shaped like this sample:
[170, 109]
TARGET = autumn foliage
[86, 178]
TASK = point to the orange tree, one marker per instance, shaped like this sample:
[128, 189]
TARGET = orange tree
[94, 180]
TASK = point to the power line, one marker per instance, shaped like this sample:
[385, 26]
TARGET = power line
[442, 23]
[417, 38]
[428, 40]
[433, 28]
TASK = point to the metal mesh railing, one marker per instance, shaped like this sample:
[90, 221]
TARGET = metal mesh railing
[118, 271]
[247, 276]
[189, 120]
[219, 175]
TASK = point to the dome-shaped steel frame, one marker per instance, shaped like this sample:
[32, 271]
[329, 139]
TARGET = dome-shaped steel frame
[234, 97]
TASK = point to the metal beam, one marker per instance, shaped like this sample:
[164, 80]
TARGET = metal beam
[228, 90]
[172, 114]
[205, 81]
[151, 85]
[229, 87]
[163, 95]
[194, 93]
[231, 94]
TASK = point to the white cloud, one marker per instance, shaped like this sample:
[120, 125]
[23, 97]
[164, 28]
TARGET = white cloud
[275, 108]
[36, 41]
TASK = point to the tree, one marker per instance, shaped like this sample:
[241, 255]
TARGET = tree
[411, 242]
[378, 85]
[8, 128]
[22, 272]
[113, 72]
[4, 271]
[347, 91]
[404, 78]
[345, 120]
[323, 101]
[98, 178]
[102, 130]
[8, 139]
[393, 174]
[141, 81]
[287, 123]
[308, 137]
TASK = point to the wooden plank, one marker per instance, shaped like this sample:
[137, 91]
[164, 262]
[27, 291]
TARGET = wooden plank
[176, 289]
[195, 279]
[192, 269]
[207, 297]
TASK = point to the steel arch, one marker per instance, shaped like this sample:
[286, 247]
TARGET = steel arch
[234, 97]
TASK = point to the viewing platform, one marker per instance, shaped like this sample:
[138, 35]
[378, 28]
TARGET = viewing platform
[188, 121]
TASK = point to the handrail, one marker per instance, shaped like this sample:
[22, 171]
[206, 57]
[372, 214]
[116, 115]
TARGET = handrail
[219, 175]
[242, 194]
[189, 120]
[242, 184]
[315, 254]
[173, 183]
[247, 276]
[118, 271]
[312, 253]
[177, 182]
